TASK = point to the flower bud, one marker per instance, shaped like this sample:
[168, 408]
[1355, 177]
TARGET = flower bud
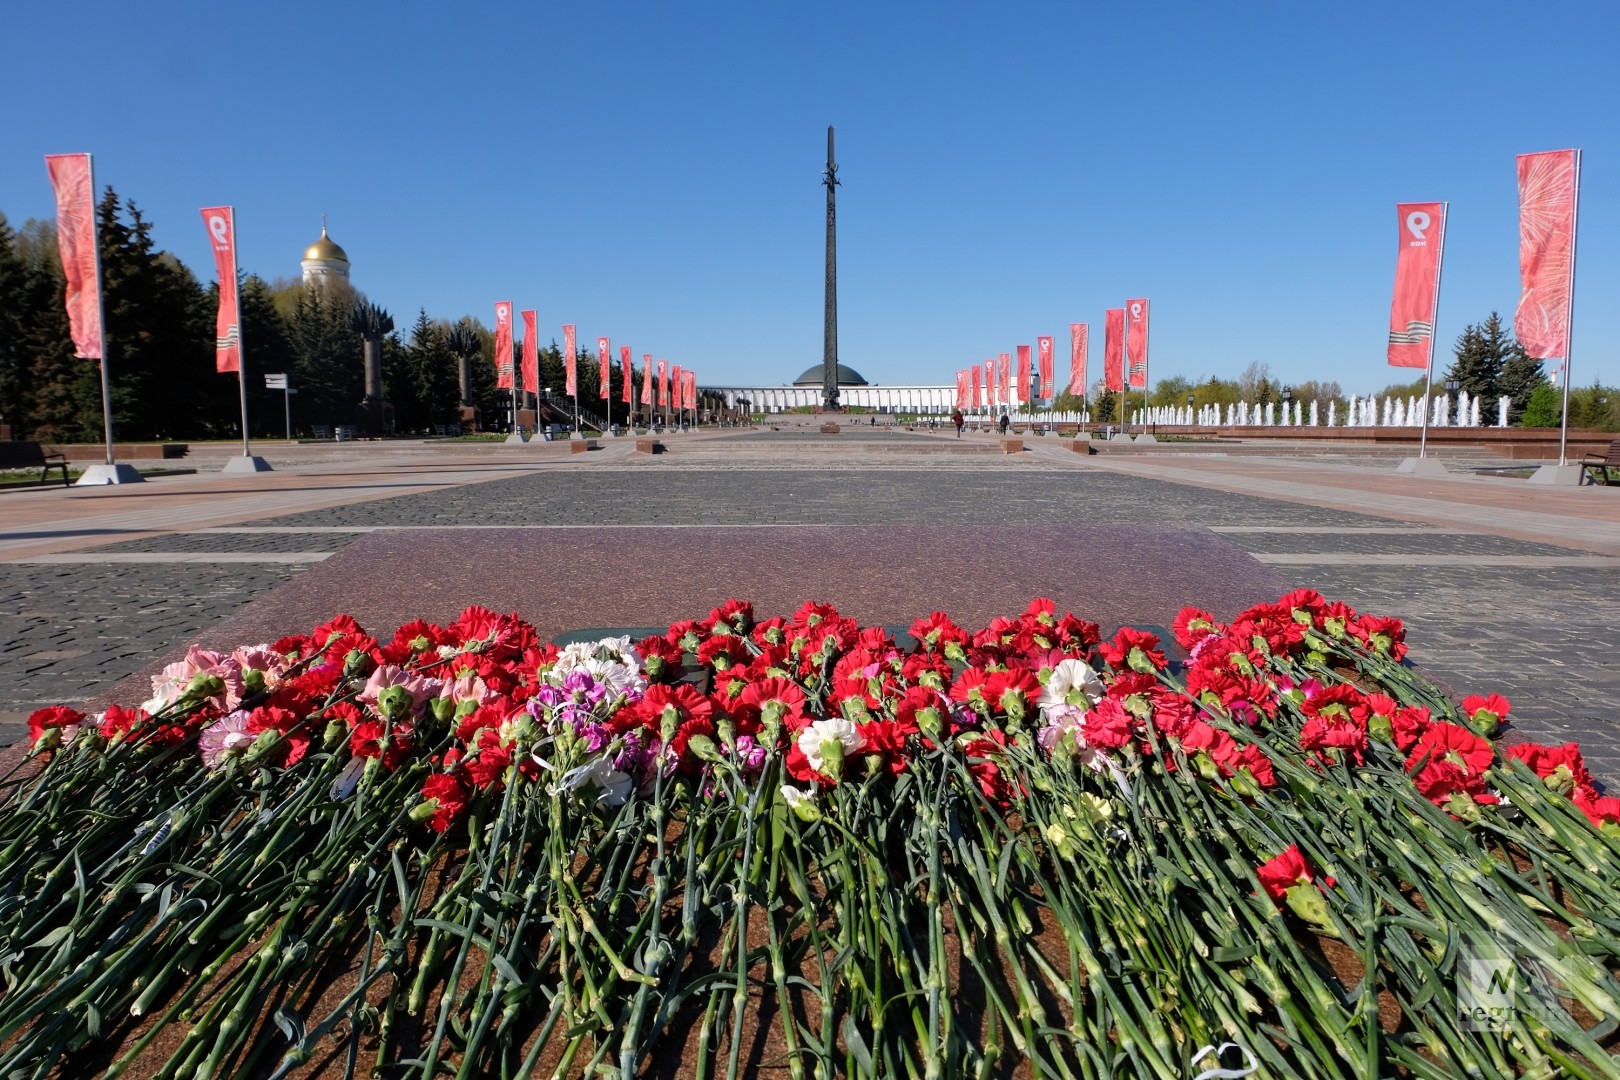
[253, 681]
[1307, 902]
[703, 747]
[1380, 728]
[444, 709]
[333, 734]
[356, 663]
[832, 758]
[726, 728]
[931, 724]
[396, 703]
[424, 810]
[203, 685]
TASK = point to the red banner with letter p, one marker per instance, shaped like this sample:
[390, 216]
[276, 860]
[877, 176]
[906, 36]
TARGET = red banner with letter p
[1136, 341]
[677, 388]
[976, 375]
[1043, 349]
[1417, 282]
[1023, 374]
[503, 344]
[571, 361]
[76, 242]
[1078, 333]
[624, 365]
[663, 384]
[1114, 349]
[1549, 193]
[531, 351]
[1004, 387]
[221, 224]
[604, 357]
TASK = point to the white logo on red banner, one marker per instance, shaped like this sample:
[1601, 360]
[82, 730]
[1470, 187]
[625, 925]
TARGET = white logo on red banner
[221, 224]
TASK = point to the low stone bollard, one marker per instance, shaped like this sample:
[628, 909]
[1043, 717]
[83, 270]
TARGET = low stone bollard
[830, 428]
[649, 446]
[579, 446]
[1012, 446]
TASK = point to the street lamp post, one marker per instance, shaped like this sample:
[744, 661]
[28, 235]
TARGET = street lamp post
[1451, 392]
[1190, 400]
[1288, 405]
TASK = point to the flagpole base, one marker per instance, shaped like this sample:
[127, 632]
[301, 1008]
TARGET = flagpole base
[516, 439]
[246, 464]
[1557, 475]
[1146, 438]
[1422, 466]
[99, 475]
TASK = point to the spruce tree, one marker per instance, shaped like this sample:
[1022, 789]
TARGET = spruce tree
[1475, 366]
[328, 367]
[15, 389]
[1522, 375]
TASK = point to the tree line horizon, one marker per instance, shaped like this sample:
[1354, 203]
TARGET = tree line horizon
[161, 326]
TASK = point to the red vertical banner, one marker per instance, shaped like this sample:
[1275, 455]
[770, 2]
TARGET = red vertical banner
[624, 367]
[1043, 349]
[663, 384]
[1136, 341]
[571, 361]
[677, 397]
[691, 391]
[1078, 334]
[1004, 379]
[1549, 200]
[1114, 349]
[977, 373]
[76, 243]
[221, 224]
[646, 380]
[1421, 243]
[1023, 374]
[503, 344]
[604, 359]
[531, 351]
[989, 383]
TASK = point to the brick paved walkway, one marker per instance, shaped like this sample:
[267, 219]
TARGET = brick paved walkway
[1505, 587]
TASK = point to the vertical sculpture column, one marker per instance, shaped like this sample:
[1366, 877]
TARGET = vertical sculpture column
[829, 340]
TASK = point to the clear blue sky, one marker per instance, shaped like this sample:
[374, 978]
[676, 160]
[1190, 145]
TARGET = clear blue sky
[651, 170]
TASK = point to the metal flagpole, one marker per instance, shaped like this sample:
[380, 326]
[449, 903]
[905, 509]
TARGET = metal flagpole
[101, 312]
[241, 353]
[1569, 311]
[1434, 327]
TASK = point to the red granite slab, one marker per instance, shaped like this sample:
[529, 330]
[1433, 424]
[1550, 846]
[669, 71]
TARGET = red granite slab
[567, 579]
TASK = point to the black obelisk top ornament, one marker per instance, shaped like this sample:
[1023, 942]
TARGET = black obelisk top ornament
[829, 342]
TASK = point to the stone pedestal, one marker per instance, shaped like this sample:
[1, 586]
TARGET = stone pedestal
[374, 418]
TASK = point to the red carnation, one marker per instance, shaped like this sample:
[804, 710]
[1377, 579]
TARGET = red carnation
[1287, 870]
[53, 717]
[1107, 725]
[447, 797]
[1132, 648]
[1191, 625]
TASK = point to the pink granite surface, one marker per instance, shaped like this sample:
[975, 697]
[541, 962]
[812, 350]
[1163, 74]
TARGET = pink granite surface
[569, 579]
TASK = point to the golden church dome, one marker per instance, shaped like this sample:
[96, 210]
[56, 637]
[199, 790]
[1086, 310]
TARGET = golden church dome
[326, 249]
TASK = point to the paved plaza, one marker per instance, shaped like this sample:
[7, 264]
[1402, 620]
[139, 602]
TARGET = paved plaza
[1504, 586]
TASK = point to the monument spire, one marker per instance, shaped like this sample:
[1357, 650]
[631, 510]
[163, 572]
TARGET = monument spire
[829, 340]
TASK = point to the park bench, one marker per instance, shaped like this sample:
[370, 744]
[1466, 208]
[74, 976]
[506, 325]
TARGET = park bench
[26, 455]
[320, 431]
[1598, 465]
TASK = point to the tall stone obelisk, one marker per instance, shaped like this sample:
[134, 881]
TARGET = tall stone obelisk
[829, 340]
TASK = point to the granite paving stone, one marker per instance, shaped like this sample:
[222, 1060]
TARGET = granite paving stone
[1546, 635]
